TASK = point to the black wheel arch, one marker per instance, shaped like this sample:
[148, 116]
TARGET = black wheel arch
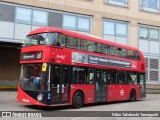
[132, 95]
[78, 91]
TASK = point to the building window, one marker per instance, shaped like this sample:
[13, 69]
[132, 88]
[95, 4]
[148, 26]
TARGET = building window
[154, 34]
[150, 5]
[29, 16]
[23, 15]
[149, 39]
[115, 28]
[121, 29]
[69, 22]
[115, 31]
[77, 23]
[83, 24]
[144, 33]
[40, 18]
[149, 33]
[109, 28]
[123, 3]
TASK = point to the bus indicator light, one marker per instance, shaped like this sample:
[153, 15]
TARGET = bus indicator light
[44, 67]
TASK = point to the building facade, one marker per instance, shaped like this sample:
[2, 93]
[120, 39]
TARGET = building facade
[130, 22]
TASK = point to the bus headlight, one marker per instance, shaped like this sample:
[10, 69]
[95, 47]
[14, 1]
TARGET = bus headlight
[40, 97]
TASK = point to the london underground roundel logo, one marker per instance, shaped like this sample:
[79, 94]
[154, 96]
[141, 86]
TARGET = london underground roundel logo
[122, 92]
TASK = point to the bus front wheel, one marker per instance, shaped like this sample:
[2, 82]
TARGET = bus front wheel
[132, 96]
[78, 99]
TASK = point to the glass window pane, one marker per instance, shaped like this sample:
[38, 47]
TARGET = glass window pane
[97, 47]
[122, 77]
[150, 4]
[109, 28]
[23, 15]
[132, 77]
[90, 46]
[131, 54]
[145, 3]
[69, 22]
[51, 38]
[83, 24]
[121, 52]
[153, 4]
[40, 17]
[71, 42]
[153, 33]
[78, 43]
[111, 50]
[119, 0]
[83, 44]
[61, 41]
[121, 29]
[90, 76]
[105, 49]
[143, 33]
[79, 75]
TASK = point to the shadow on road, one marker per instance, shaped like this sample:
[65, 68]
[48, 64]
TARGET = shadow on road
[69, 107]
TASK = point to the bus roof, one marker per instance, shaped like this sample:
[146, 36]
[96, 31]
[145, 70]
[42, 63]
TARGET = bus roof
[82, 36]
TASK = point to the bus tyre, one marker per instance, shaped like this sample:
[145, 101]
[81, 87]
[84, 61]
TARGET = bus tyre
[78, 99]
[132, 96]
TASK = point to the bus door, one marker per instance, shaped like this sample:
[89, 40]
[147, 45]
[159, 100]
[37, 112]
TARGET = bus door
[60, 84]
[100, 85]
[142, 85]
[121, 81]
[111, 82]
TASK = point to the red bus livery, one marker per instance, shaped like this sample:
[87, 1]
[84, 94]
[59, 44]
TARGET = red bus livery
[61, 67]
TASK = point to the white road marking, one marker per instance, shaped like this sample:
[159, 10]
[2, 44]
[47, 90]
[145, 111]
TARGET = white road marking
[120, 106]
[77, 118]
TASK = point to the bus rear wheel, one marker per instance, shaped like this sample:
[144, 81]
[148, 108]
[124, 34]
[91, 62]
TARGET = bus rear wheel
[132, 96]
[78, 99]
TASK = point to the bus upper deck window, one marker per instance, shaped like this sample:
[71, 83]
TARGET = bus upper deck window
[137, 55]
[111, 50]
[133, 55]
[97, 47]
[71, 42]
[51, 38]
[104, 49]
[122, 52]
[60, 40]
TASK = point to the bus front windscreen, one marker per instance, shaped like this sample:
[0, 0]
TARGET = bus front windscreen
[33, 78]
[40, 39]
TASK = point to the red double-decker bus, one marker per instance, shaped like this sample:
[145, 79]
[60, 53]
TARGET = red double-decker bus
[61, 67]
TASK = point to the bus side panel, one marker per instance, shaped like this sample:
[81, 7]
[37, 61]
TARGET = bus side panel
[128, 89]
[121, 92]
[63, 56]
[88, 91]
[112, 93]
[23, 97]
